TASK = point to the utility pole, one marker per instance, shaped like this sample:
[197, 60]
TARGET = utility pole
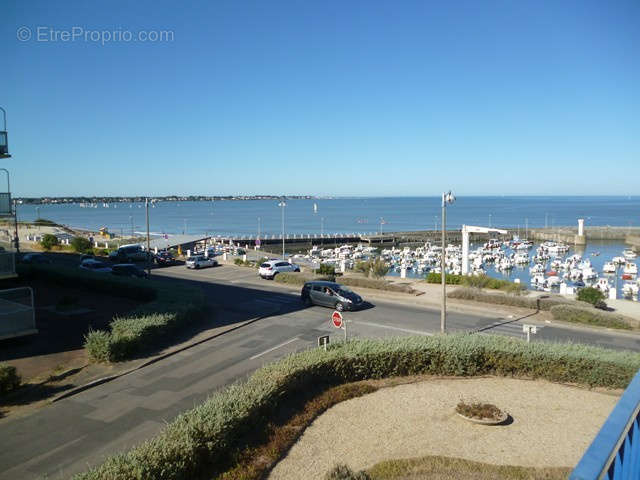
[446, 198]
[282, 204]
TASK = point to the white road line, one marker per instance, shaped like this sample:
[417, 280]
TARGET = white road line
[274, 348]
[399, 329]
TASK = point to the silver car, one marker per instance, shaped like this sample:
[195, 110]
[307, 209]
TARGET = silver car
[330, 294]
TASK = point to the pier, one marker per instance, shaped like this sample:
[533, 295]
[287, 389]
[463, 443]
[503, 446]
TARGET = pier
[629, 235]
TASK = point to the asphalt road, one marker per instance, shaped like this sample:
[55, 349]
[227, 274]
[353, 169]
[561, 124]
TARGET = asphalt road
[66, 437]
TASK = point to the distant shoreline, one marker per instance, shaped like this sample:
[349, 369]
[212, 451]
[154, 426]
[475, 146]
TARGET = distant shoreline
[140, 199]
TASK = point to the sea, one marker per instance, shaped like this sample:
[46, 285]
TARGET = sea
[341, 215]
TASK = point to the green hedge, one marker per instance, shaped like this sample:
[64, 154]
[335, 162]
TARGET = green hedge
[591, 316]
[478, 281]
[433, 277]
[166, 306]
[198, 443]
[543, 302]
[9, 378]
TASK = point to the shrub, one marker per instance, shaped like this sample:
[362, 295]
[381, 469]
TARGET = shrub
[98, 345]
[378, 268]
[534, 302]
[590, 295]
[343, 472]
[589, 316]
[9, 378]
[48, 241]
[485, 281]
[450, 279]
[203, 439]
[362, 267]
[326, 269]
[239, 262]
[44, 221]
[81, 245]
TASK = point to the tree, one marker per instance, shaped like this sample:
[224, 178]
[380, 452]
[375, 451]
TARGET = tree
[49, 241]
[378, 268]
[81, 245]
[591, 295]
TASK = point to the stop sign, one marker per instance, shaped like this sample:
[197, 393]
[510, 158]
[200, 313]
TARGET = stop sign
[336, 319]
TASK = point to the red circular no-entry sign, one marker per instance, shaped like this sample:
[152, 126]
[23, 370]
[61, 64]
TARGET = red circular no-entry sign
[336, 319]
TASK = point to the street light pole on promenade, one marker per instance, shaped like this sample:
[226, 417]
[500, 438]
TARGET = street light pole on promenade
[446, 198]
[282, 204]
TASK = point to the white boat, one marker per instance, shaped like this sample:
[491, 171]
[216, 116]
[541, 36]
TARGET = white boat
[619, 260]
[589, 273]
[609, 267]
[629, 254]
[630, 289]
[630, 268]
[603, 285]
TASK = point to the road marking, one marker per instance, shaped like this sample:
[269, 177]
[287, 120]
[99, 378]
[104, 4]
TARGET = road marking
[274, 348]
[399, 329]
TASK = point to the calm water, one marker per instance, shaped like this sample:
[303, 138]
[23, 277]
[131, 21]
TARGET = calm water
[344, 215]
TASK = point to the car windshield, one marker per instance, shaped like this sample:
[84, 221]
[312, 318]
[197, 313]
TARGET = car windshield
[344, 291]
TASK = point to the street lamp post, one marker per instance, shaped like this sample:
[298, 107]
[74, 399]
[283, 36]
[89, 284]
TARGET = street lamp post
[447, 197]
[282, 204]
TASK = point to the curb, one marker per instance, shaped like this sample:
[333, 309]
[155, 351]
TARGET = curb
[151, 361]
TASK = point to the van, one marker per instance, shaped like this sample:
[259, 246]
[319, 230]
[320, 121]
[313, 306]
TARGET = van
[129, 253]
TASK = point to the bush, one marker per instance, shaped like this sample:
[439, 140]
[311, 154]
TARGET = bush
[485, 281]
[534, 302]
[590, 295]
[376, 268]
[450, 279]
[9, 378]
[49, 241]
[81, 245]
[343, 472]
[589, 316]
[44, 221]
[98, 345]
[200, 442]
[326, 269]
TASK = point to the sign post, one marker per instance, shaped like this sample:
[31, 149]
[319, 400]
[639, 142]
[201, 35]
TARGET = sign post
[323, 341]
[529, 329]
[339, 322]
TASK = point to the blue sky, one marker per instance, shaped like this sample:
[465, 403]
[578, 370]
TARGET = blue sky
[333, 97]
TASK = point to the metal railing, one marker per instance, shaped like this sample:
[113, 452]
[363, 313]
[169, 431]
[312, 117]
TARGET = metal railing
[17, 312]
[615, 452]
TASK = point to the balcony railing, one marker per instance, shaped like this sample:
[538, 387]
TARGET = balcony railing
[615, 452]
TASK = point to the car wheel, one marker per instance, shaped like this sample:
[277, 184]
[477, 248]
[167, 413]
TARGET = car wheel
[274, 276]
[306, 301]
[197, 266]
[339, 307]
[297, 270]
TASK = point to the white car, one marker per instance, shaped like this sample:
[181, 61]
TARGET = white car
[199, 261]
[271, 268]
[95, 266]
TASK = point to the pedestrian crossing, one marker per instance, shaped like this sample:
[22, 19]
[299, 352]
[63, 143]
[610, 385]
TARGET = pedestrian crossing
[501, 327]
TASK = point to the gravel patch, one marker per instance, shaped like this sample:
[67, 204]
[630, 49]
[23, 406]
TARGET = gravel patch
[552, 426]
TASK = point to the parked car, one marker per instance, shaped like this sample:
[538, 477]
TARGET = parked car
[200, 261]
[95, 266]
[34, 258]
[271, 268]
[164, 259]
[330, 294]
[128, 253]
[128, 270]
